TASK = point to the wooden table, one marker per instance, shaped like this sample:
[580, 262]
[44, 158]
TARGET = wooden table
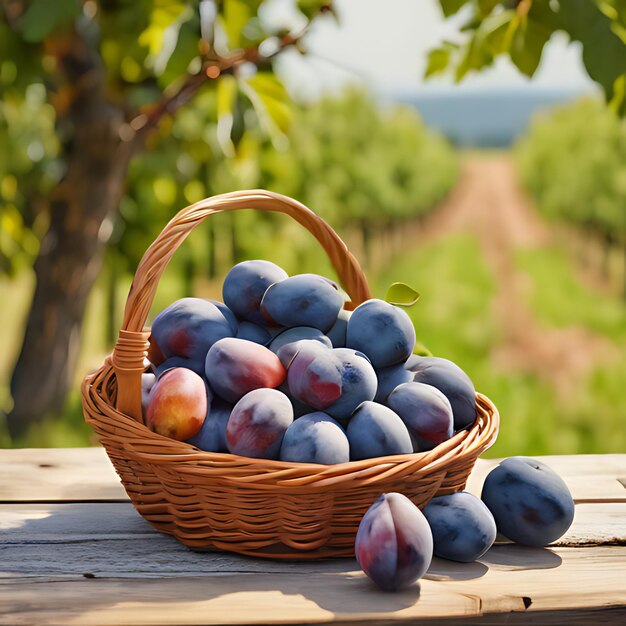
[74, 551]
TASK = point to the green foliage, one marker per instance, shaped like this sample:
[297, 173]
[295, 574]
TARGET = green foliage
[521, 30]
[573, 161]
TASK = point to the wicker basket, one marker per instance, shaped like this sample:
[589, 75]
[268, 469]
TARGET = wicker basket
[253, 506]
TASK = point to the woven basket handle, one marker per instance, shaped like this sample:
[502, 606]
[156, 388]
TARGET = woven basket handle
[132, 345]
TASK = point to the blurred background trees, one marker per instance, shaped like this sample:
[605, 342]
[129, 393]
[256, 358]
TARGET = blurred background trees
[116, 114]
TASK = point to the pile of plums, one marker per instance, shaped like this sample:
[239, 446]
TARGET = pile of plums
[280, 370]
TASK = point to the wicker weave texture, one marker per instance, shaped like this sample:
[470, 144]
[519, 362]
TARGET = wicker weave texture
[253, 506]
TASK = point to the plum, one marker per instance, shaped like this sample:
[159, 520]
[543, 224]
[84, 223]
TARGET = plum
[425, 411]
[394, 543]
[189, 327]
[245, 285]
[290, 336]
[228, 314]
[337, 334]
[302, 300]
[358, 382]
[529, 501]
[463, 527]
[257, 424]
[148, 380]
[315, 438]
[299, 408]
[178, 404]
[212, 435]
[389, 378]
[452, 381]
[179, 361]
[382, 331]
[253, 332]
[375, 430]
[234, 367]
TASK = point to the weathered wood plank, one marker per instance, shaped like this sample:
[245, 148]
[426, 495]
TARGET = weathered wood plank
[49, 475]
[568, 579]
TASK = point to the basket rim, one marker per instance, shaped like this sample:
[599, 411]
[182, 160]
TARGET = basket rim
[145, 445]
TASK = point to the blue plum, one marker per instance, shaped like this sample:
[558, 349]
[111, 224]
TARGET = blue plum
[285, 343]
[394, 543]
[425, 411]
[196, 366]
[337, 334]
[463, 527]
[358, 382]
[188, 328]
[245, 285]
[299, 408]
[452, 381]
[315, 438]
[228, 314]
[529, 501]
[302, 300]
[389, 378]
[148, 380]
[375, 430]
[257, 424]
[234, 367]
[253, 332]
[382, 331]
[212, 435]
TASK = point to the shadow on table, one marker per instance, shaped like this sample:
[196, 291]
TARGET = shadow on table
[517, 557]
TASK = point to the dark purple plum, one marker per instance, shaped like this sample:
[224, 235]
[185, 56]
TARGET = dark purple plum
[314, 375]
[302, 300]
[228, 314]
[382, 331]
[315, 438]
[452, 381]
[285, 343]
[425, 411]
[389, 378]
[212, 435]
[358, 382]
[375, 430]
[179, 361]
[463, 527]
[253, 332]
[148, 380]
[245, 285]
[189, 327]
[337, 334]
[234, 367]
[257, 424]
[394, 544]
[529, 501]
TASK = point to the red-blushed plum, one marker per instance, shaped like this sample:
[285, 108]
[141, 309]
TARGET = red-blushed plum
[178, 404]
[253, 332]
[337, 334]
[258, 423]
[394, 544]
[425, 411]
[463, 527]
[389, 378]
[234, 367]
[302, 300]
[529, 501]
[228, 314]
[212, 435]
[452, 381]
[314, 375]
[245, 285]
[315, 438]
[189, 327]
[291, 336]
[179, 361]
[358, 382]
[375, 430]
[148, 380]
[382, 331]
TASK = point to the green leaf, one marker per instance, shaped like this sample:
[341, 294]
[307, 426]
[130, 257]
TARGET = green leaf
[226, 94]
[236, 14]
[185, 51]
[527, 45]
[487, 6]
[421, 350]
[438, 61]
[271, 102]
[42, 17]
[450, 7]
[164, 15]
[401, 294]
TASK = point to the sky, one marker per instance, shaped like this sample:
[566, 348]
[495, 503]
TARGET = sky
[386, 49]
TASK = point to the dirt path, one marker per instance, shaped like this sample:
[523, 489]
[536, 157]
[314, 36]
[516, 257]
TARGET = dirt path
[488, 202]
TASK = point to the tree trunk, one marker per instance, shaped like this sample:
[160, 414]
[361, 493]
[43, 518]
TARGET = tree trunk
[82, 207]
